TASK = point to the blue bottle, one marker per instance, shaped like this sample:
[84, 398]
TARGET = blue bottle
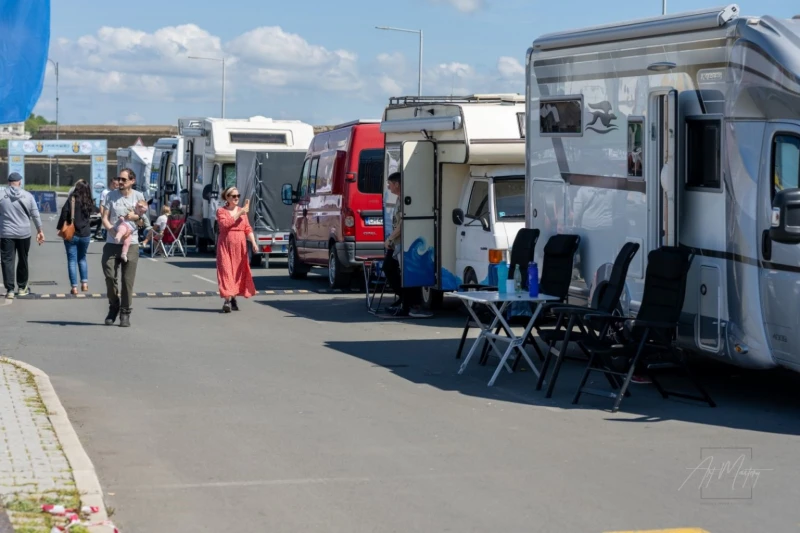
[502, 276]
[533, 279]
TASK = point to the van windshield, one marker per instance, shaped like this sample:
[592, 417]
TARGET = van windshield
[228, 175]
[509, 198]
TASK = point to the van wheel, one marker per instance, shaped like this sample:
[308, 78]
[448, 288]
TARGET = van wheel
[337, 277]
[470, 278]
[432, 298]
[297, 270]
[256, 260]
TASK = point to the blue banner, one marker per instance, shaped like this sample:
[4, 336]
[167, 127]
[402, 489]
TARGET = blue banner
[45, 201]
[24, 42]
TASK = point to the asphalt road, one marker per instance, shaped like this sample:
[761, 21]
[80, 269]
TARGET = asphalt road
[304, 413]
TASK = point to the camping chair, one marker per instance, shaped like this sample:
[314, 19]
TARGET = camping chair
[521, 254]
[650, 337]
[557, 263]
[375, 282]
[174, 235]
[605, 300]
[157, 244]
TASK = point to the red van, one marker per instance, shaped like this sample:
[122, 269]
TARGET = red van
[338, 202]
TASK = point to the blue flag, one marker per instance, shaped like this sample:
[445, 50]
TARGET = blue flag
[24, 42]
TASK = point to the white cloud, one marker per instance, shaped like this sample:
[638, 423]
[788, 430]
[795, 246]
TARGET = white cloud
[467, 6]
[509, 67]
[134, 118]
[389, 86]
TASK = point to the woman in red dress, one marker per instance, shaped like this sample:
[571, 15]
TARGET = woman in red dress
[233, 265]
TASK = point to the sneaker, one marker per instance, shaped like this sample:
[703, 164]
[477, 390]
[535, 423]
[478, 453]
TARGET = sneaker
[234, 305]
[226, 307]
[10, 295]
[23, 291]
[640, 380]
[418, 312]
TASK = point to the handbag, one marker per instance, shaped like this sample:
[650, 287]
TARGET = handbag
[67, 230]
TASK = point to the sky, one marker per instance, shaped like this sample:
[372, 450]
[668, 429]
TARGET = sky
[320, 62]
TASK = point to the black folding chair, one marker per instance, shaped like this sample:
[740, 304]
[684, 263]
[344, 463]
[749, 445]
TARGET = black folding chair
[521, 254]
[649, 339]
[606, 300]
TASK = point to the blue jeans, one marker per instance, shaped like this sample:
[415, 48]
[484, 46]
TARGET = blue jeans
[76, 259]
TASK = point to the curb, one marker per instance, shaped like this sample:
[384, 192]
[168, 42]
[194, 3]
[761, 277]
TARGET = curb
[86, 482]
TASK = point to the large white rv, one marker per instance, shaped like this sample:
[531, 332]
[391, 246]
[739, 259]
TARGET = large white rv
[680, 130]
[167, 175]
[138, 158]
[462, 163]
[210, 160]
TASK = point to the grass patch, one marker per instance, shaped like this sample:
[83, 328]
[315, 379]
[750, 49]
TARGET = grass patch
[37, 187]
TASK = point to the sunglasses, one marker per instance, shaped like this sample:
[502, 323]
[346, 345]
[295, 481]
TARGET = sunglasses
[233, 196]
[120, 178]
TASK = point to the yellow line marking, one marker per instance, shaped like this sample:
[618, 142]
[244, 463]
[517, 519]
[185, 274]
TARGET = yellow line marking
[679, 530]
[80, 296]
[61, 295]
[95, 295]
[151, 294]
[186, 293]
[269, 292]
[166, 294]
[288, 292]
[303, 291]
[45, 296]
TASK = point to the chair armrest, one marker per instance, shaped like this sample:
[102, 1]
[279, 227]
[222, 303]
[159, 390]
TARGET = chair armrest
[573, 309]
[632, 322]
[603, 317]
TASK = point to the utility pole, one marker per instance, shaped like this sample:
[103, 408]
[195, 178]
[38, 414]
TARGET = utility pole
[663, 7]
[223, 77]
[419, 79]
[58, 175]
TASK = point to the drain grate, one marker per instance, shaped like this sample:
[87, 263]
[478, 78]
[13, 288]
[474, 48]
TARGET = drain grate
[40, 283]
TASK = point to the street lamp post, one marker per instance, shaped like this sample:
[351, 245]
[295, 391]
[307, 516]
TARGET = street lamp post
[663, 7]
[419, 82]
[222, 60]
[55, 65]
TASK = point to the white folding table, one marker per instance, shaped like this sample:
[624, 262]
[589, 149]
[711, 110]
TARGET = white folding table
[492, 299]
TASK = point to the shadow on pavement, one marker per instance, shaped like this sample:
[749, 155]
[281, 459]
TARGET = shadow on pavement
[188, 309]
[65, 323]
[754, 400]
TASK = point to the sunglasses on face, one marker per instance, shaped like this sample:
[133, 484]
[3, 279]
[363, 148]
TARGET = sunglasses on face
[120, 178]
[233, 196]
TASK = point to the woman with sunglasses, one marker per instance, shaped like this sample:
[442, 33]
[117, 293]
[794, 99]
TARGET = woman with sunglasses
[233, 265]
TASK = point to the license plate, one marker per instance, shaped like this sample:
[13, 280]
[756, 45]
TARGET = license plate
[374, 221]
[283, 248]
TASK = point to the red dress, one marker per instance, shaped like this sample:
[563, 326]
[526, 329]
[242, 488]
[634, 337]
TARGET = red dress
[233, 265]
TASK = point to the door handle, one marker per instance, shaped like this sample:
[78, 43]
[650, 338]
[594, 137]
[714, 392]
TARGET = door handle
[463, 233]
[766, 245]
[484, 248]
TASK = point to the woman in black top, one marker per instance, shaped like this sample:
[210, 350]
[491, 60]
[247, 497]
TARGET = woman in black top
[79, 244]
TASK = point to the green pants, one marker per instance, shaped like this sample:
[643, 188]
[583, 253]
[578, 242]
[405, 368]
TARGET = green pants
[112, 259]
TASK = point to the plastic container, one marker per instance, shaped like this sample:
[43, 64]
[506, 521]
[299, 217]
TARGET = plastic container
[502, 276]
[517, 280]
[533, 279]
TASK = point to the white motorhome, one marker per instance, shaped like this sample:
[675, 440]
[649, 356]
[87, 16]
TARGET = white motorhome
[138, 158]
[681, 130]
[167, 175]
[463, 186]
[210, 160]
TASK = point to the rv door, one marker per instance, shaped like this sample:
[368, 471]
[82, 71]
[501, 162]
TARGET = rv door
[186, 186]
[663, 191]
[418, 203]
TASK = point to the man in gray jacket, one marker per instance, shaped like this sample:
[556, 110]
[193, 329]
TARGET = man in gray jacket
[17, 209]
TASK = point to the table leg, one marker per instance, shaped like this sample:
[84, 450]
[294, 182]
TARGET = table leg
[481, 336]
[516, 343]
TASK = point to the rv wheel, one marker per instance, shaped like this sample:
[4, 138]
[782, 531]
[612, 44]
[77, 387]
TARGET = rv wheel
[337, 277]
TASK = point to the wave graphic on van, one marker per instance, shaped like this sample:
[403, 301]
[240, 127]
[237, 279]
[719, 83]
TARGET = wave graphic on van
[418, 265]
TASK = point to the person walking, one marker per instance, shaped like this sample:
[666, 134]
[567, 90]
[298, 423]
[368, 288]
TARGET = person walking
[17, 209]
[77, 211]
[121, 203]
[233, 266]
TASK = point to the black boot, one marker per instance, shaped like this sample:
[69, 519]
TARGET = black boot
[125, 318]
[113, 311]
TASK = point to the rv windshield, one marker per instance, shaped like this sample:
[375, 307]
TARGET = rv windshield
[509, 198]
[228, 175]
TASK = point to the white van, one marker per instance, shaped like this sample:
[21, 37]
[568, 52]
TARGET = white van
[167, 173]
[463, 185]
[138, 158]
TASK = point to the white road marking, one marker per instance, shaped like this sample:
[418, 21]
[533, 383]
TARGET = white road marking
[204, 279]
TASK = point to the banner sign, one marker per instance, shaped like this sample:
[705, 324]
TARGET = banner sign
[45, 201]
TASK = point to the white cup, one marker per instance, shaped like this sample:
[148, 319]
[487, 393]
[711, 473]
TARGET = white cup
[510, 286]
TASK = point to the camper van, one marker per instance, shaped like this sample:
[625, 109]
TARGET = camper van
[138, 158]
[681, 130]
[209, 156]
[462, 161]
[167, 176]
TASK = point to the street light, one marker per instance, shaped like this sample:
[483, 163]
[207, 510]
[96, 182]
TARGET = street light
[223, 77]
[663, 7]
[58, 180]
[419, 86]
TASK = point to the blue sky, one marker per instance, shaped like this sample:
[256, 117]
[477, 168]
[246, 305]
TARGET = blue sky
[321, 62]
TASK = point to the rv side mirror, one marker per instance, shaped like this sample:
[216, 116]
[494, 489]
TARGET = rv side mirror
[458, 216]
[207, 192]
[288, 196]
[786, 217]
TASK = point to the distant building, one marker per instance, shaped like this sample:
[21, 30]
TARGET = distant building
[13, 131]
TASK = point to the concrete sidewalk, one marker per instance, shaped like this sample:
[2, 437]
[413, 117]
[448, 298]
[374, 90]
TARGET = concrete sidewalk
[41, 460]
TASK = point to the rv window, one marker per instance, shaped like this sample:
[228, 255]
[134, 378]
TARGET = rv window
[198, 169]
[302, 188]
[228, 175]
[215, 178]
[561, 117]
[370, 171]
[785, 163]
[509, 199]
[478, 200]
[703, 153]
[312, 178]
[635, 147]
[258, 138]
[173, 173]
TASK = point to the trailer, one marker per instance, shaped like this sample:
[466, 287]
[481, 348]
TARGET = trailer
[681, 130]
[259, 177]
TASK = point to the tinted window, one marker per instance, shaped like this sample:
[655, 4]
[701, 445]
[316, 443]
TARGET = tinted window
[228, 175]
[786, 163]
[703, 151]
[258, 138]
[635, 147]
[560, 117]
[198, 169]
[370, 171]
[509, 199]
[302, 189]
[478, 200]
[312, 178]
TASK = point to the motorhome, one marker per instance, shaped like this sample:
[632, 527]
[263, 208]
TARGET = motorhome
[167, 174]
[138, 158]
[462, 161]
[209, 157]
[681, 130]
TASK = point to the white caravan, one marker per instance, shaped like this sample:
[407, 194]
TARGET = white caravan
[210, 160]
[138, 158]
[167, 176]
[680, 130]
[462, 163]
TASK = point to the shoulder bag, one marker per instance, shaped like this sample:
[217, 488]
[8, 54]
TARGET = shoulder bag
[67, 231]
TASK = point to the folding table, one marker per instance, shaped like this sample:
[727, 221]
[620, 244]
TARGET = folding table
[491, 299]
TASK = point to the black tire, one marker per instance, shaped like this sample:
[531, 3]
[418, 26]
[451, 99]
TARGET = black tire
[470, 278]
[297, 270]
[337, 276]
[256, 260]
[432, 298]
[202, 246]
